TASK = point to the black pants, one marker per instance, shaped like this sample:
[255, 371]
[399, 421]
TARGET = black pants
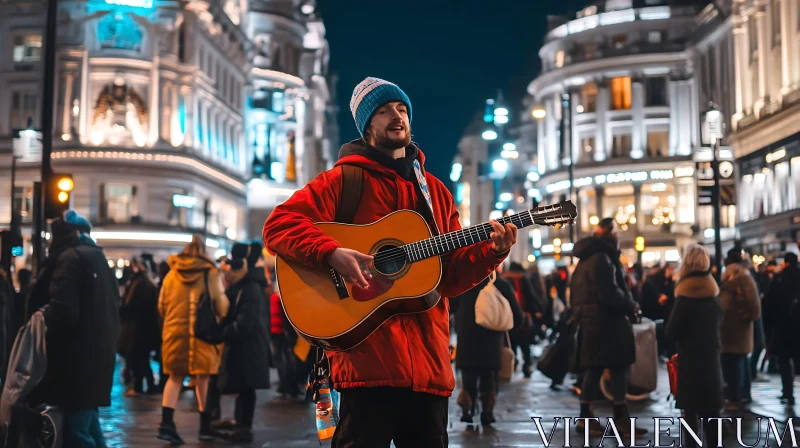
[526, 354]
[245, 408]
[786, 369]
[286, 363]
[707, 433]
[479, 380]
[140, 359]
[734, 368]
[376, 416]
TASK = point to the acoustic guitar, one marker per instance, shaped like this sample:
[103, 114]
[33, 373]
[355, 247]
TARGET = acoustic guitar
[406, 270]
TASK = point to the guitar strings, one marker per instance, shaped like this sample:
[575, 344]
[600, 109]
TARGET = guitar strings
[399, 254]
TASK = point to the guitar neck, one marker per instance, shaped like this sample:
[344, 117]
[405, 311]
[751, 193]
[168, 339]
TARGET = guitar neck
[468, 236]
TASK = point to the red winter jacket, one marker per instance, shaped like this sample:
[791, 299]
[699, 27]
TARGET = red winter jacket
[411, 350]
[275, 314]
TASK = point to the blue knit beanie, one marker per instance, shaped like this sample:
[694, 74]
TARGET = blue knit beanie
[77, 221]
[371, 94]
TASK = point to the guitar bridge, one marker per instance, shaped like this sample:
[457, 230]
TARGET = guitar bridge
[339, 284]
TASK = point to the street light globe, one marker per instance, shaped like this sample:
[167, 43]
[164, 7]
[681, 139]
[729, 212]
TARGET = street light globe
[509, 146]
[539, 113]
[489, 134]
[501, 119]
[557, 242]
[500, 166]
[501, 111]
[531, 258]
[594, 220]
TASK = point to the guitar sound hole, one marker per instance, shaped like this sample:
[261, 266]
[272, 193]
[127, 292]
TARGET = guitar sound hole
[389, 260]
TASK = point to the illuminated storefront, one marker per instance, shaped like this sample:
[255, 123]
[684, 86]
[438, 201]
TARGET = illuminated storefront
[769, 188]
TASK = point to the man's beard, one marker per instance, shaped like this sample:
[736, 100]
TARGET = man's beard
[382, 140]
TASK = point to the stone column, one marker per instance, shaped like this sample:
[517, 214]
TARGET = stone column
[599, 192]
[763, 57]
[154, 97]
[637, 202]
[66, 119]
[787, 44]
[602, 140]
[791, 37]
[541, 146]
[84, 105]
[740, 66]
[638, 131]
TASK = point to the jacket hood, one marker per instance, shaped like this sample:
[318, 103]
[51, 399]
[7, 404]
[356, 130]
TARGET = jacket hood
[256, 274]
[589, 246]
[701, 286]
[734, 270]
[189, 268]
[360, 154]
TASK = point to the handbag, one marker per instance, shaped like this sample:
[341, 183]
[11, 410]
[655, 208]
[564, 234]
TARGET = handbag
[206, 327]
[672, 372]
[507, 361]
[492, 310]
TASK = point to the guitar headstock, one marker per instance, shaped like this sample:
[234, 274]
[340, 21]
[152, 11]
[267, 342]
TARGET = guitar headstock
[555, 215]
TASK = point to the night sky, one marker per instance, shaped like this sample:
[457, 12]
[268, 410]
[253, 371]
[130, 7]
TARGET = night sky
[447, 55]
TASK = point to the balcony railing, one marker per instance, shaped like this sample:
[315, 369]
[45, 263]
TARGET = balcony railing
[578, 54]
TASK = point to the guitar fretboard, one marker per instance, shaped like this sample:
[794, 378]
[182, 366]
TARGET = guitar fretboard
[451, 241]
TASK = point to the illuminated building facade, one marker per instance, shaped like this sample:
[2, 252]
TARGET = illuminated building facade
[626, 70]
[160, 110]
[766, 129]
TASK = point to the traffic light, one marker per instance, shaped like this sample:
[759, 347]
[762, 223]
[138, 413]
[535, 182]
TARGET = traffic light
[59, 193]
[638, 244]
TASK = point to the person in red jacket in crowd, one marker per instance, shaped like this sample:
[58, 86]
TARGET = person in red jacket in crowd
[395, 385]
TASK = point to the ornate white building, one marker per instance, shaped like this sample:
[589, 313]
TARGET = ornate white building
[168, 113]
[628, 71]
[766, 124]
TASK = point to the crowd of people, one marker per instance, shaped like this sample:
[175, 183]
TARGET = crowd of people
[149, 315]
[724, 333]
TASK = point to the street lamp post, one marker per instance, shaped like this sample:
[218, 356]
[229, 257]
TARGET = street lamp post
[712, 133]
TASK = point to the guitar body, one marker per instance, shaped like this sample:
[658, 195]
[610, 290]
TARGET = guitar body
[317, 310]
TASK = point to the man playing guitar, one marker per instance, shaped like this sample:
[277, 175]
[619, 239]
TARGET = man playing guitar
[395, 384]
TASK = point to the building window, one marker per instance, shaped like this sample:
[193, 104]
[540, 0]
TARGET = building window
[23, 106]
[621, 145]
[27, 48]
[656, 91]
[656, 37]
[560, 58]
[589, 50]
[119, 202]
[589, 97]
[619, 41]
[621, 93]
[119, 31]
[23, 203]
[657, 143]
[587, 150]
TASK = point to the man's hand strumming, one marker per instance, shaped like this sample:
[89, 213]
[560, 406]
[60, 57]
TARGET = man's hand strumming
[503, 237]
[352, 265]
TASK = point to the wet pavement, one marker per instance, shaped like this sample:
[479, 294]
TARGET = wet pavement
[132, 422]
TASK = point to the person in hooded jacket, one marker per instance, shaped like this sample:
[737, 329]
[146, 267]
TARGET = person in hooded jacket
[181, 353]
[782, 305]
[604, 309]
[694, 326]
[479, 352]
[532, 306]
[81, 300]
[140, 307]
[245, 332]
[406, 361]
[741, 306]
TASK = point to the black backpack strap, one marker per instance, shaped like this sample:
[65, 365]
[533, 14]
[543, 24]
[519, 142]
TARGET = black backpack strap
[350, 195]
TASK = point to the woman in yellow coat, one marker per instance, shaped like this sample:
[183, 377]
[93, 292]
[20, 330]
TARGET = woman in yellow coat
[182, 354]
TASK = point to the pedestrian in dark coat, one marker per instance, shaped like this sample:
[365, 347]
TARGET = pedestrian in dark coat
[479, 350]
[782, 308]
[741, 306]
[694, 326]
[245, 329]
[140, 309]
[531, 306]
[604, 308]
[82, 317]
